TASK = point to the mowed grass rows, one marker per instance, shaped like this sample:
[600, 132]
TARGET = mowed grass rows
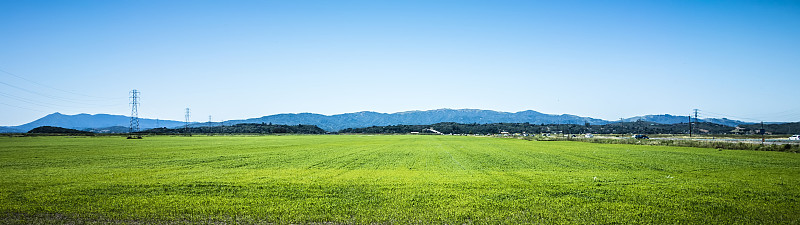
[388, 179]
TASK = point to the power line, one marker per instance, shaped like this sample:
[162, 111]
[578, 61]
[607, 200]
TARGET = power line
[729, 116]
[54, 88]
[84, 104]
[21, 99]
[48, 105]
[23, 107]
[50, 96]
[791, 114]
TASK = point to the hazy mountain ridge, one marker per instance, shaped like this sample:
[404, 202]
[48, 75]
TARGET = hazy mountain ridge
[89, 121]
[351, 120]
[368, 118]
[10, 130]
[672, 119]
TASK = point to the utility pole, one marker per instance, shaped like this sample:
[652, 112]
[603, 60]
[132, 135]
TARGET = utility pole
[134, 126]
[186, 124]
[762, 132]
[690, 125]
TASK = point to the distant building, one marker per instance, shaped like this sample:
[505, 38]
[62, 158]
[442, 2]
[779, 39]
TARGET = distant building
[739, 130]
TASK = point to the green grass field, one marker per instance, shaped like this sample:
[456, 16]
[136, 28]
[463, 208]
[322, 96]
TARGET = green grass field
[388, 179]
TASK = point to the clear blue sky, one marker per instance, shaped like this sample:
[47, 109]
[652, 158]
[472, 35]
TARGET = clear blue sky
[244, 59]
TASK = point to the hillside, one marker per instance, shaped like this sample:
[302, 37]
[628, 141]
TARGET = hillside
[242, 128]
[639, 127]
[672, 119]
[89, 121]
[10, 130]
[366, 119]
[55, 130]
[104, 123]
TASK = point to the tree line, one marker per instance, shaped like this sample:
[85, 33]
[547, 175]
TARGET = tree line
[638, 127]
[242, 128]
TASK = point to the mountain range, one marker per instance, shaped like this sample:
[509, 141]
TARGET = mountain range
[99, 122]
[88, 121]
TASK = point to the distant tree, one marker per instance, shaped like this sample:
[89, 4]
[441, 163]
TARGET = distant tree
[627, 127]
[244, 128]
[56, 130]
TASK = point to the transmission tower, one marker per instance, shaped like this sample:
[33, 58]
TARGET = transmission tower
[186, 125]
[696, 121]
[134, 126]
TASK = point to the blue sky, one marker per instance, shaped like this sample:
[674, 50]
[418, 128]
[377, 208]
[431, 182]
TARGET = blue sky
[244, 59]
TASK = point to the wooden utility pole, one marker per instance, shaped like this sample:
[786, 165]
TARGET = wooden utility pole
[690, 125]
[762, 132]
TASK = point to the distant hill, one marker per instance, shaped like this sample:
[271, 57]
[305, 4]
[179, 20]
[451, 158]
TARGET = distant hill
[726, 121]
[88, 121]
[366, 119]
[243, 128]
[639, 127]
[104, 123]
[55, 130]
[671, 119]
[10, 130]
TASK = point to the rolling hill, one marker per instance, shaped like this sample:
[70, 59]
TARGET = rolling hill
[112, 123]
[366, 119]
[88, 121]
[672, 119]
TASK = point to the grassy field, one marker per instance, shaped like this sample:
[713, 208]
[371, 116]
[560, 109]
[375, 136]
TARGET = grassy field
[388, 179]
